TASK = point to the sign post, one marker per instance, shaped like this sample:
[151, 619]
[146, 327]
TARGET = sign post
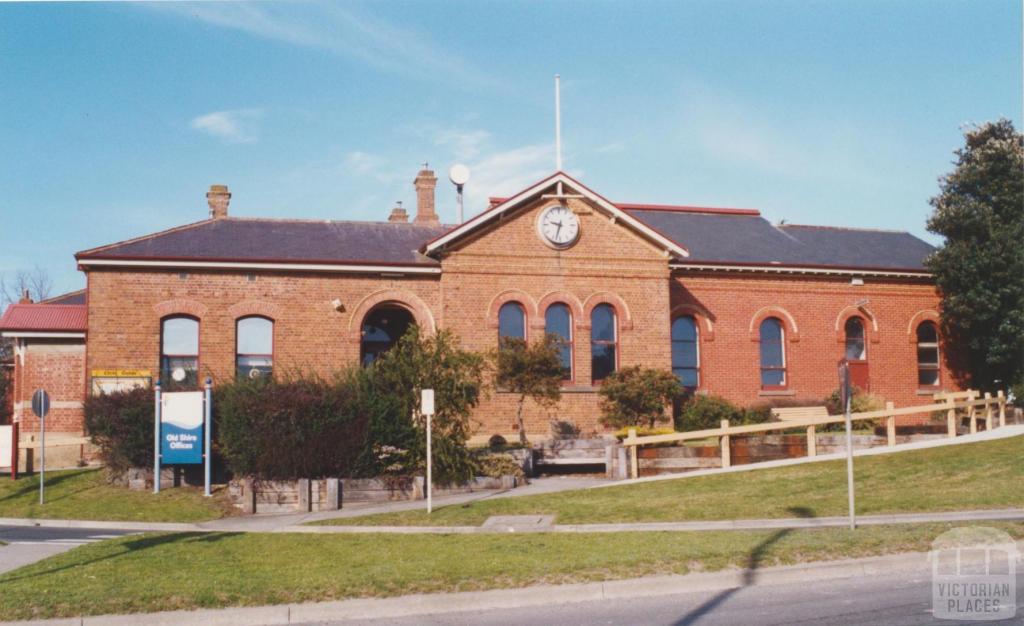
[427, 409]
[41, 406]
[156, 439]
[206, 436]
[846, 393]
[180, 418]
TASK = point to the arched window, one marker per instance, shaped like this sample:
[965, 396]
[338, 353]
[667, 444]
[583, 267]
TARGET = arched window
[603, 339]
[685, 355]
[558, 322]
[511, 321]
[773, 354]
[179, 351]
[927, 354]
[856, 350]
[382, 328]
[254, 347]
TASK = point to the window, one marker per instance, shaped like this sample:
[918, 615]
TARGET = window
[511, 321]
[927, 355]
[254, 347]
[773, 354]
[855, 348]
[685, 358]
[558, 322]
[603, 337]
[179, 351]
[382, 328]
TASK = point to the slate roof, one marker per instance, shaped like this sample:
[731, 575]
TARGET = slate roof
[44, 318]
[293, 241]
[72, 297]
[746, 238]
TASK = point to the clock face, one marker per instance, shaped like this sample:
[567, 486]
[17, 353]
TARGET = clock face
[558, 226]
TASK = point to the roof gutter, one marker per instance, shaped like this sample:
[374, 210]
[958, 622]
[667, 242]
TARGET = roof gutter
[796, 269]
[244, 265]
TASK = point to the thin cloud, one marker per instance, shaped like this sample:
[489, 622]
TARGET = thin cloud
[237, 126]
[341, 31]
[507, 172]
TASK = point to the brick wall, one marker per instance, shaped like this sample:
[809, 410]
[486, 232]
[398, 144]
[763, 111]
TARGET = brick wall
[58, 366]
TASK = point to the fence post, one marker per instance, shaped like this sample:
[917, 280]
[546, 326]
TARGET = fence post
[634, 469]
[972, 412]
[812, 441]
[1002, 408]
[951, 417]
[726, 457]
[988, 410]
[890, 425]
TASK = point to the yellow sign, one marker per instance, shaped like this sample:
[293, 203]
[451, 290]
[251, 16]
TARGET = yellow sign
[121, 373]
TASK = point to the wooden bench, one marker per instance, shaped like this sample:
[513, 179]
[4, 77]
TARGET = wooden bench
[787, 414]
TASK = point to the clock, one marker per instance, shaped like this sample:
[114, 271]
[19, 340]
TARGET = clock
[558, 226]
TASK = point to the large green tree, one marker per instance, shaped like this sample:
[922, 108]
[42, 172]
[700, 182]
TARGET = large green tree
[980, 267]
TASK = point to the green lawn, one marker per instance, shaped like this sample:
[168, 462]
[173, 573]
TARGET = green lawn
[970, 476]
[84, 494]
[159, 572]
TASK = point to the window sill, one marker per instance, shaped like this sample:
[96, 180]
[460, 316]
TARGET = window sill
[928, 392]
[769, 393]
[564, 389]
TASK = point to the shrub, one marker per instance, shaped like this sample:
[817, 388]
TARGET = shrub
[284, 430]
[120, 424]
[636, 396]
[496, 465]
[699, 412]
[861, 402]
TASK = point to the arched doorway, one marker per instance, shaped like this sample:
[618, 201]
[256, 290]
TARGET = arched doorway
[382, 328]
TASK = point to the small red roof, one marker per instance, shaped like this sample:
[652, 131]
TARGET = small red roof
[63, 318]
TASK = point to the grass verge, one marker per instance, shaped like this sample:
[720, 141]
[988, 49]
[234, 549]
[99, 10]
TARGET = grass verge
[193, 570]
[85, 495]
[969, 476]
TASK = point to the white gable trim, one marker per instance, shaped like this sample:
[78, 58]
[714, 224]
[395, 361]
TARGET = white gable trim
[494, 213]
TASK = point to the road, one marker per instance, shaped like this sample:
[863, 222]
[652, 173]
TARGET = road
[28, 544]
[900, 598]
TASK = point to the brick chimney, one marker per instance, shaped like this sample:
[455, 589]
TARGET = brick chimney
[425, 183]
[218, 198]
[398, 214]
[25, 298]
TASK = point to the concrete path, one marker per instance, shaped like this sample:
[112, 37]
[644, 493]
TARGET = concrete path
[1005, 432]
[717, 587]
[267, 523]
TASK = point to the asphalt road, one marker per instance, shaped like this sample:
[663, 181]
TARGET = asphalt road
[28, 544]
[893, 599]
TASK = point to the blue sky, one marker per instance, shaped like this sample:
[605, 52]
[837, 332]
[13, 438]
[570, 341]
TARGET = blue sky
[115, 118]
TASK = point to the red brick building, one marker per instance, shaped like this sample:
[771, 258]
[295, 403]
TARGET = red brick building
[734, 305]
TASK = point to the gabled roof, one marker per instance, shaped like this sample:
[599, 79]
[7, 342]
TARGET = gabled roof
[278, 241]
[746, 238]
[44, 318]
[72, 297]
[538, 189]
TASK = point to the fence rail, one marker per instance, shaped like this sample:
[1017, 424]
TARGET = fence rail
[950, 403]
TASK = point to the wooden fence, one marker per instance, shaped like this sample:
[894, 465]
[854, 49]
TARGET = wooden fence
[969, 401]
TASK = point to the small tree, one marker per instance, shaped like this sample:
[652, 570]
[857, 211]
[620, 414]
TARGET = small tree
[636, 395]
[532, 371]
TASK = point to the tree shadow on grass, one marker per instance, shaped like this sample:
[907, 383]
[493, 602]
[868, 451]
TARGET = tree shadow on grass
[754, 560]
[32, 486]
[145, 542]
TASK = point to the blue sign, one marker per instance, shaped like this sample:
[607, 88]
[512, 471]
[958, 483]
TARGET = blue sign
[181, 428]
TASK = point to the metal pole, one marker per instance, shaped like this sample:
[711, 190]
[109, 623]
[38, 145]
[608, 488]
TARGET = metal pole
[156, 440]
[849, 450]
[558, 123]
[42, 454]
[14, 449]
[206, 436]
[458, 194]
[430, 462]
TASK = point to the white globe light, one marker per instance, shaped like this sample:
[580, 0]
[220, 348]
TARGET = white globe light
[458, 174]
